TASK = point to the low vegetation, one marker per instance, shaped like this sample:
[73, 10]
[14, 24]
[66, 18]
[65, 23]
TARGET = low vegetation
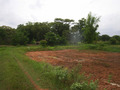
[43, 74]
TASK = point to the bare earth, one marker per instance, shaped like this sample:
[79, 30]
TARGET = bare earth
[101, 65]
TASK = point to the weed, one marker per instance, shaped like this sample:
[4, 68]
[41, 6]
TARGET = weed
[84, 86]
[109, 78]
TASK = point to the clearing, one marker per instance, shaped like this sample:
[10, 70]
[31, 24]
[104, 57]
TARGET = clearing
[104, 66]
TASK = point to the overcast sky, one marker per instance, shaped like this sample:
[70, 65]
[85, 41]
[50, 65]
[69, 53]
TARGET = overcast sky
[15, 12]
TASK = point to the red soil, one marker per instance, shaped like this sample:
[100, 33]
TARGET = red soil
[100, 65]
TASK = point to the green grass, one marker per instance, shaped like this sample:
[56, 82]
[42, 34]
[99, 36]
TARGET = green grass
[12, 76]
[99, 47]
[112, 48]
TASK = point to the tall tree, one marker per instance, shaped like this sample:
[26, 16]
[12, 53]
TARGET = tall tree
[91, 26]
[6, 34]
[62, 27]
[77, 30]
[34, 31]
[104, 37]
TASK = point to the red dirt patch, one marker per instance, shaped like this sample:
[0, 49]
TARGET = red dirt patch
[100, 64]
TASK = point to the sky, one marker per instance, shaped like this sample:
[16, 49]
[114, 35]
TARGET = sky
[15, 12]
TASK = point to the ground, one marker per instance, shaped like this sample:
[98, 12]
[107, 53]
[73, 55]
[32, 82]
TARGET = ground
[104, 66]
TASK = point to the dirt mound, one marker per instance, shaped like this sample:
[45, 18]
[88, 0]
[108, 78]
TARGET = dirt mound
[101, 65]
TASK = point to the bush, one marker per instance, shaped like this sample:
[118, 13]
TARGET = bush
[113, 41]
[67, 80]
[51, 38]
[33, 41]
[61, 74]
[61, 40]
[43, 43]
[84, 86]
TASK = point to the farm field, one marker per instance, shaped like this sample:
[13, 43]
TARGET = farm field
[100, 65]
[37, 70]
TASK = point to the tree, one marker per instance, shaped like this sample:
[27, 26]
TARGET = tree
[77, 31]
[51, 38]
[91, 26]
[62, 27]
[19, 38]
[117, 37]
[113, 41]
[34, 31]
[6, 34]
[105, 37]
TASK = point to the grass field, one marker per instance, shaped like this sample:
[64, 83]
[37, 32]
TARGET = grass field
[19, 72]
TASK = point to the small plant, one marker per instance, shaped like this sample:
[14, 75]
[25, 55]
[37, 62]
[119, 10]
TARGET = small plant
[43, 43]
[61, 74]
[105, 89]
[76, 86]
[109, 78]
[84, 86]
[33, 41]
[75, 75]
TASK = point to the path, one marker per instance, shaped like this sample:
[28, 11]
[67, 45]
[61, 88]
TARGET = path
[28, 75]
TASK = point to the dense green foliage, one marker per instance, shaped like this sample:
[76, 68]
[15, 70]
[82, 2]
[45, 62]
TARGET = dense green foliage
[6, 35]
[51, 38]
[59, 32]
[43, 43]
[114, 40]
[19, 38]
[90, 28]
[104, 37]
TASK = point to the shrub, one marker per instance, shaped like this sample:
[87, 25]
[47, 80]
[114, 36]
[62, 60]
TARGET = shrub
[100, 46]
[61, 40]
[51, 38]
[84, 86]
[113, 41]
[33, 41]
[66, 79]
[61, 74]
[43, 43]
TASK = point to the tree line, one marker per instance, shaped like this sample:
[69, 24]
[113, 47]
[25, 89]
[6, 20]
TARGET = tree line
[59, 32]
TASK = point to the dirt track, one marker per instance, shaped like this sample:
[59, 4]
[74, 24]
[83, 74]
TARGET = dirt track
[103, 66]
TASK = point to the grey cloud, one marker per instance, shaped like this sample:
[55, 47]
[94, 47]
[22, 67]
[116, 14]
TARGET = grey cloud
[110, 24]
[14, 12]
